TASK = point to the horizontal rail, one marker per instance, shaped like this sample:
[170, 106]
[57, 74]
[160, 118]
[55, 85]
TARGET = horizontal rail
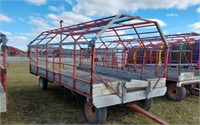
[58, 44]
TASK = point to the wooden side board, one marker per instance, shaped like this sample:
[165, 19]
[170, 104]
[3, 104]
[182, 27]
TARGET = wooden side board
[102, 90]
[2, 100]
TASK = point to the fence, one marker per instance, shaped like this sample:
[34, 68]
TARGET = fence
[14, 59]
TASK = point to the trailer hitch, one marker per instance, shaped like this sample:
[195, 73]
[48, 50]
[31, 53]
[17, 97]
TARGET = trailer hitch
[147, 114]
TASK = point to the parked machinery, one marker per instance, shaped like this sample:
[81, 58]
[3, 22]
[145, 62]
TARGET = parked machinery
[90, 59]
[183, 72]
[184, 56]
[3, 80]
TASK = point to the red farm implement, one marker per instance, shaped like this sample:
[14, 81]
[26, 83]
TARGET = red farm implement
[183, 64]
[3, 81]
[91, 59]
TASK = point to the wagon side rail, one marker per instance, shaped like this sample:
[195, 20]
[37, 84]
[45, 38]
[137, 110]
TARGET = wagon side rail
[3, 75]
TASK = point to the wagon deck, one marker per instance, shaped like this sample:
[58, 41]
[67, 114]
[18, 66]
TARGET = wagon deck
[172, 73]
[60, 55]
[65, 77]
[130, 89]
[83, 74]
[179, 75]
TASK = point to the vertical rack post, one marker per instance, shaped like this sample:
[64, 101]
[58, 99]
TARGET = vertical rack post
[191, 59]
[74, 67]
[30, 57]
[143, 61]
[81, 54]
[53, 65]
[179, 63]
[5, 72]
[92, 68]
[37, 54]
[198, 60]
[47, 54]
[60, 52]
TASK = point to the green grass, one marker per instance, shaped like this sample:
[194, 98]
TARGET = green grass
[29, 105]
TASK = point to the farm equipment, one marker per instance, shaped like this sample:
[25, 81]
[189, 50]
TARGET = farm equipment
[183, 72]
[91, 59]
[3, 81]
[186, 48]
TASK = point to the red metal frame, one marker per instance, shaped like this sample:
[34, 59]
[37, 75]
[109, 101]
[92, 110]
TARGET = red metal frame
[147, 114]
[187, 39]
[177, 40]
[3, 66]
[122, 35]
[3, 69]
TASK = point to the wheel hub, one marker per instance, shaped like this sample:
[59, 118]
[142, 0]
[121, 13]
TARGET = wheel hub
[91, 110]
[173, 92]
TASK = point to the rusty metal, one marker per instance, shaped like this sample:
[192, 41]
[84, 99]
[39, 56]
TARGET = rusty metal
[147, 114]
[86, 32]
[104, 42]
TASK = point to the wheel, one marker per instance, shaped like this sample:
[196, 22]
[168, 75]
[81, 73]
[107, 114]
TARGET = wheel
[43, 83]
[194, 89]
[146, 104]
[94, 115]
[175, 93]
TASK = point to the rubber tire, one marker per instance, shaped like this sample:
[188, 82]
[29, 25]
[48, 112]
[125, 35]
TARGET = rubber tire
[181, 92]
[146, 104]
[100, 117]
[194, 92]
[43, 83]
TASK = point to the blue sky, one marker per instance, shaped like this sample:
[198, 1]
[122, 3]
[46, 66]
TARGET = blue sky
[23, 20]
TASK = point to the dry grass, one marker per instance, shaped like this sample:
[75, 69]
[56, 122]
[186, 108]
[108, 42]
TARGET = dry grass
[29, 105]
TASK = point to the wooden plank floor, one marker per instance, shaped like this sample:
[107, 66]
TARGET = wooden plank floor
[172, 72]
[85, 75]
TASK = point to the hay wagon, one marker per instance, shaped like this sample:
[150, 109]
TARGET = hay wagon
[3, 79]
[183, 72]
[90, 59]
[183, 63]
